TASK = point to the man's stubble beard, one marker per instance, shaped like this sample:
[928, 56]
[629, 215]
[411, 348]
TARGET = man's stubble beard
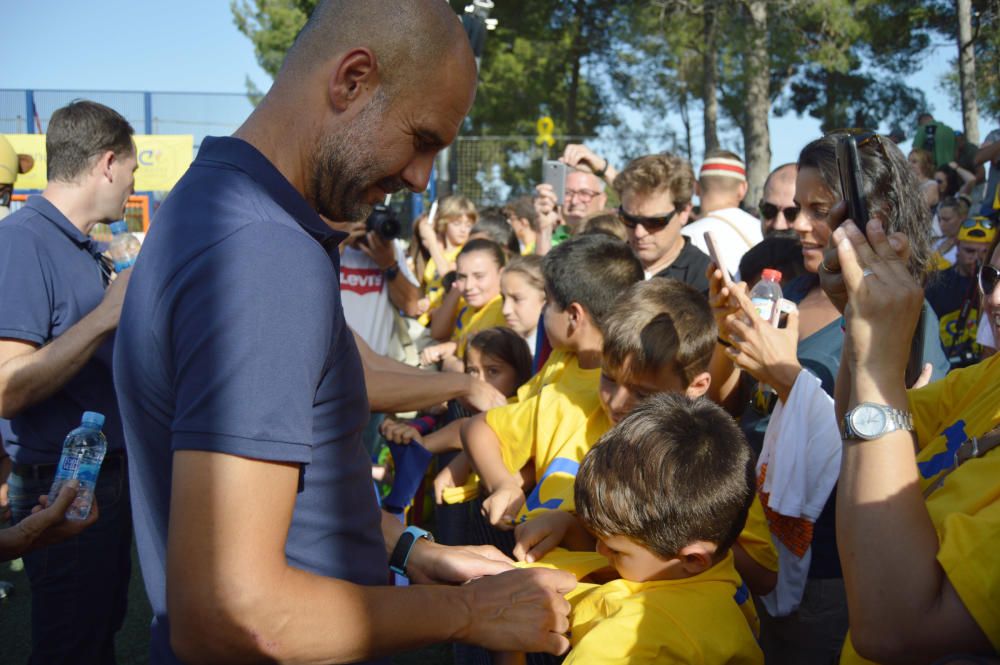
[343, 168]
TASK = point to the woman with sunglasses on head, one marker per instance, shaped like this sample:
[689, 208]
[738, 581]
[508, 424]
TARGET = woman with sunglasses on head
[815, 631]
[918, 504]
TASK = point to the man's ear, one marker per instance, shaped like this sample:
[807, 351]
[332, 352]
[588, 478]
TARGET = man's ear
[744, 186]
[577, 316]
[102, 164]
[355, 77]
[699, 385]
[697, 189]
[697, 557]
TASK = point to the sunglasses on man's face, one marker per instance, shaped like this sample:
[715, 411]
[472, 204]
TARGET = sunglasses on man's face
[988, 278]
[770, 211]
[651, 224]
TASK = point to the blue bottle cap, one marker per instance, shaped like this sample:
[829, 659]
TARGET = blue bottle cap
[119, 227]
[92, 419]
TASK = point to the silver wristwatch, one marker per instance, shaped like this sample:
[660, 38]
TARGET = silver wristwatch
[869, 421]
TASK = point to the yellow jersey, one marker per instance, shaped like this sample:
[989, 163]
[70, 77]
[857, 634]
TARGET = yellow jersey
[470, 320]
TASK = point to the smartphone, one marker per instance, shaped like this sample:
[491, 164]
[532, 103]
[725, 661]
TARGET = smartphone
[554, 174]
[781, 311]
[851, 181]
[713, 251]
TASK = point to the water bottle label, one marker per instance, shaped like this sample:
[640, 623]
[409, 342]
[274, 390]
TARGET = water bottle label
[68, 466]
[124, 265]
[764, 307]
[88, 471]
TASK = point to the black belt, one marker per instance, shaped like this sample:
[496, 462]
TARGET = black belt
[36, 471]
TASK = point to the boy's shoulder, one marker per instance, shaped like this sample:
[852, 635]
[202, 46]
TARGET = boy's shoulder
[697, 620]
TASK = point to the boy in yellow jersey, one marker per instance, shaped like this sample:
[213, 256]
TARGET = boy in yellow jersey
[584, 278]
[658, 338]
[666, 493]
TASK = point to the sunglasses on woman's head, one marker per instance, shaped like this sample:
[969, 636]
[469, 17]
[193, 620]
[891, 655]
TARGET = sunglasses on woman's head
[988, 278]
[651, 224]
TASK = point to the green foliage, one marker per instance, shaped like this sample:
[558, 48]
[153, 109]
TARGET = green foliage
[272, 26]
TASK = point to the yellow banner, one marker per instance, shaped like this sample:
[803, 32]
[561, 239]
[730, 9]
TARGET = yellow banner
[163, 159]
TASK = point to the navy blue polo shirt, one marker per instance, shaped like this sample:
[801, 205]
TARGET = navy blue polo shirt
[50, 278]
[233, 340]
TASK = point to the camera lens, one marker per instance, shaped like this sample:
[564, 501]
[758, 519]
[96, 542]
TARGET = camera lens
[383, 221]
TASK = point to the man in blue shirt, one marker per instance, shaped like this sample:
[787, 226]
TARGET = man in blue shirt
[243, 393]
[58, 314]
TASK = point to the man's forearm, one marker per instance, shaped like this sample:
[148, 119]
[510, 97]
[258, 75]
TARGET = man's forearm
[987, 153]
[404, 296]
[393, 392]
[443, 318]
[29, 378]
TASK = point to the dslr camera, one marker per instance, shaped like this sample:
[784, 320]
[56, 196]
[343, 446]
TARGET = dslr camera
[384, 222]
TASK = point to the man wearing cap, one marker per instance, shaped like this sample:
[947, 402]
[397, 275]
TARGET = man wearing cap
[722, 184]
[11, 164]
[57, 322]
[954, 296]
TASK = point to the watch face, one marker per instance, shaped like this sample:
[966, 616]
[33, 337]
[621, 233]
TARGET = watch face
[868, 421]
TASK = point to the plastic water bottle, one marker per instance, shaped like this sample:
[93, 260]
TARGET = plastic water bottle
[765, 296]
[82, 454]
[124, 246]
[766, 293]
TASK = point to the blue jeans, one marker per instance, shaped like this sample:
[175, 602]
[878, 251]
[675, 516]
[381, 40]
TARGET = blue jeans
[79, 587]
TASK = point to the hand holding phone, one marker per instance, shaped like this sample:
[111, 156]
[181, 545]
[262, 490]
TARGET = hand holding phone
[713, 251]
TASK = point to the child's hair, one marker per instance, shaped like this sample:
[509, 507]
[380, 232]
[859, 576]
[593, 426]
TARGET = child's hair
[523, 207]
[484, 245]
[591, 270]
[660, 323]
[783, 253]
[529, 267]
[925, 162]
[451, 207]
[506, 346]
[494, 225]
[607, 223]
[672, 472]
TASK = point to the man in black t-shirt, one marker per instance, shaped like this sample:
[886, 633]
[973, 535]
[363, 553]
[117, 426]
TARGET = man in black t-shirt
[655, 193]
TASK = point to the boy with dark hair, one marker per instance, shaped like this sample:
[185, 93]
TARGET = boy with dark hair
[658, 338]
[584, 277]
[666, 493]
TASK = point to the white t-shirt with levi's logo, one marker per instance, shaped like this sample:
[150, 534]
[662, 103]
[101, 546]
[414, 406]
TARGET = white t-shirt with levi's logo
[364, 291]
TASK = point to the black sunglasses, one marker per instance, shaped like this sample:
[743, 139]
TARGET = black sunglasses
[988, 278]
[770, 211]
[651, 224]
[862, 137]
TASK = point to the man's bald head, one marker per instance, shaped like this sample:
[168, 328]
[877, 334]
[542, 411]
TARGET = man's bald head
[408, 37]
[777, 207]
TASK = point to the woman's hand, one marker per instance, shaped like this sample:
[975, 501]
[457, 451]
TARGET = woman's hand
[397, 432]
[884, 301]
[768, 353]
[723, 299]
[436, 353]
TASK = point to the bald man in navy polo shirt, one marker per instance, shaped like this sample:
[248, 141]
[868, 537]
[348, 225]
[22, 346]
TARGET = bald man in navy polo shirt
[243, 393]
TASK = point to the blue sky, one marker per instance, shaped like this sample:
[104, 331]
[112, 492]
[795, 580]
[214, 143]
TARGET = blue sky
[192, 45]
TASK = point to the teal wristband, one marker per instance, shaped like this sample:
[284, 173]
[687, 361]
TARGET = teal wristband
[404, 547]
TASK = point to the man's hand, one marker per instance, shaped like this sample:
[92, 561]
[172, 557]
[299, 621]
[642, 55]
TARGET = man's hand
[547, 207]
[432, 563]
[397, 432]
[521, 610]
[539, 536]
[481, 396]
[502, 506]
[46, 524]
[114, 296]
[379, 250]
[577, 154]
